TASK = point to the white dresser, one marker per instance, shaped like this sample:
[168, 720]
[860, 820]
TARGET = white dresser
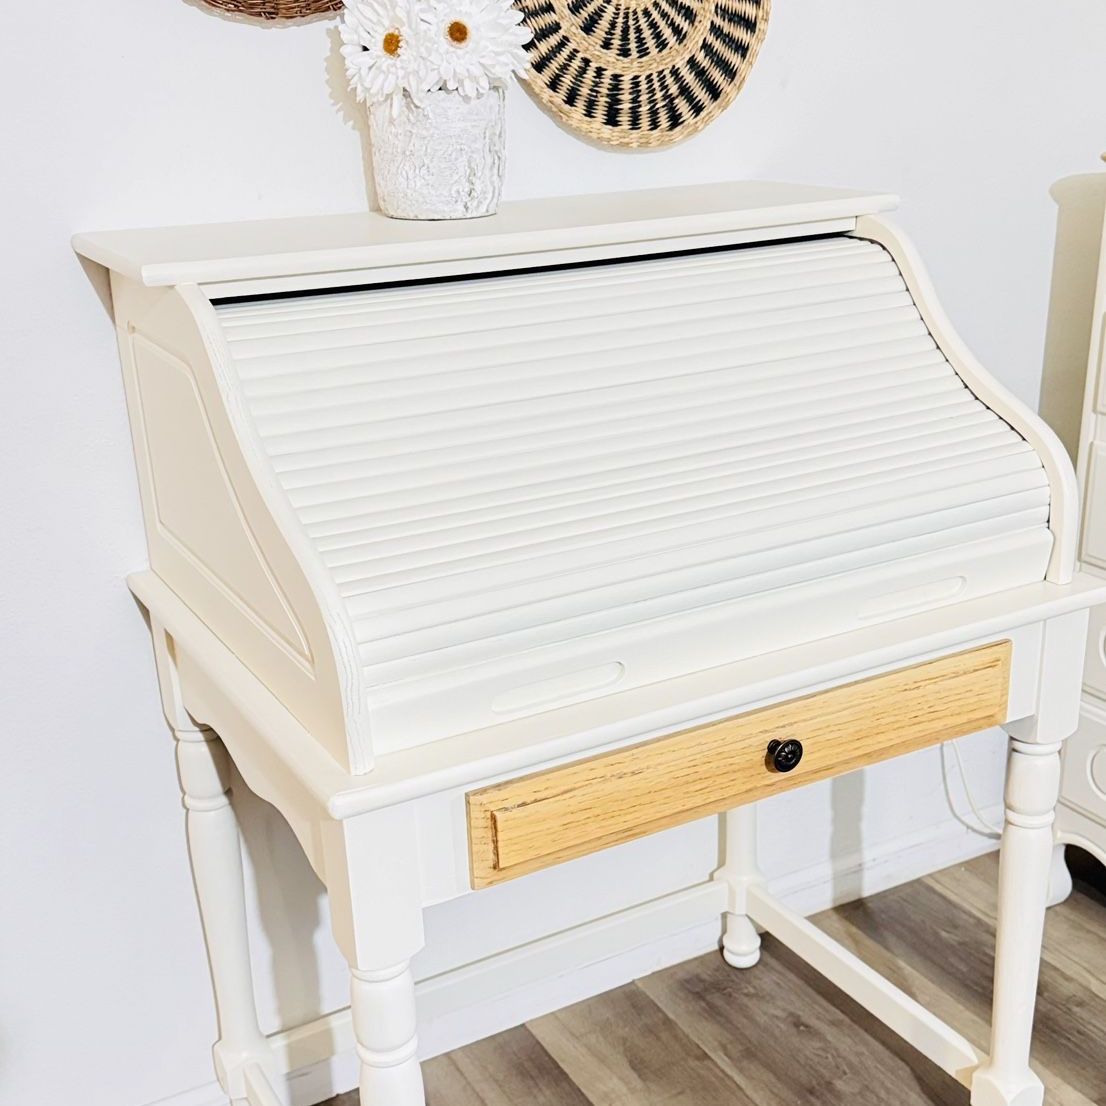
[1081, 816]
[482, 546]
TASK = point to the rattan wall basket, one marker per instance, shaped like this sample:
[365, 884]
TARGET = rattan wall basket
[641, 73]
[275, 9]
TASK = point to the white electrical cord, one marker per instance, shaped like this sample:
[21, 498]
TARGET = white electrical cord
[988, 829]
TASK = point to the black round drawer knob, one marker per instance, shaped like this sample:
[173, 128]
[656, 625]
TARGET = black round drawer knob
[783, 756]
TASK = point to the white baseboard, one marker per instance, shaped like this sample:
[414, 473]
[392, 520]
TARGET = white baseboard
[506, 990]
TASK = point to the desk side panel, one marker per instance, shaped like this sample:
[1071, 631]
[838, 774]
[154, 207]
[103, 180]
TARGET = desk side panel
[1064, 499]
[212, 536]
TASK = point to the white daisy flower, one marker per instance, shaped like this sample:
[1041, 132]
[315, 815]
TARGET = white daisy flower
[473, 44]
[383, 56]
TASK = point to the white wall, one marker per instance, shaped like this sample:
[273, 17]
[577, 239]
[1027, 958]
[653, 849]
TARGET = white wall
[137, 112]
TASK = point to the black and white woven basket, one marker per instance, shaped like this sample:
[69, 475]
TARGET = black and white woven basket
[641, 73]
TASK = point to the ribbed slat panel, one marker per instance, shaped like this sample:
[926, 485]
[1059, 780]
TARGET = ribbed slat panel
[438, 459]
[409, 496]
[447, 296]
[487, 538]
[499, 463]
[321, 387]
[435, 649]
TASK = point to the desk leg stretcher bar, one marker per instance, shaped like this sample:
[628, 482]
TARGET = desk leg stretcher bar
[1031, 794]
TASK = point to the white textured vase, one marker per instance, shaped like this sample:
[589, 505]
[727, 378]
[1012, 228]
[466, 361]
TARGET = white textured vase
[441, 160]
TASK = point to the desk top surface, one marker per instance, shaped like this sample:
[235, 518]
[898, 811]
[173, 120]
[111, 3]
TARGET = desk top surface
[257, 249]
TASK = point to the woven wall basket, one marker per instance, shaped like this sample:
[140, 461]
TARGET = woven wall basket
[641, 73]
[275, 9]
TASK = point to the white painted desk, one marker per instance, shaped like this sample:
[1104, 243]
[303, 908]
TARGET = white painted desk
[481, 546]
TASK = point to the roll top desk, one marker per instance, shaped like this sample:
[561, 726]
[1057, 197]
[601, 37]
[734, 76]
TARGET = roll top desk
[481, 546]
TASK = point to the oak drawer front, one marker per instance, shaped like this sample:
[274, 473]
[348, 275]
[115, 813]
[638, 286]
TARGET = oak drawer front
[535, 821]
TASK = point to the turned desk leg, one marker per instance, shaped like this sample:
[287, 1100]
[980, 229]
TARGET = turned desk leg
[740, 869]
[215, 849]
[1032, 789]
[376, 914]
[383, 1005]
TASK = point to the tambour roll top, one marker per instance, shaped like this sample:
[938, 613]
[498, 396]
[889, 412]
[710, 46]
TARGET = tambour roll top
[518, 489]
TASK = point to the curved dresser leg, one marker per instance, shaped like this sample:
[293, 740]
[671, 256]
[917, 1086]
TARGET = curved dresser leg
[1059, 878]
[383, 1006]
[1032, 788]
[740, 940]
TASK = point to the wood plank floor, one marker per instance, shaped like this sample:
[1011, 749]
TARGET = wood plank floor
[703, 1034]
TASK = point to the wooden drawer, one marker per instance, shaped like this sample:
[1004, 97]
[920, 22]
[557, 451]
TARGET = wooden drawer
[535, 821]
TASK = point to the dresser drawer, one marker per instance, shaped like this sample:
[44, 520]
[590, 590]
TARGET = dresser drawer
[1084, 786]
[535, 821]
[1094, 508]
[1094, 667]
